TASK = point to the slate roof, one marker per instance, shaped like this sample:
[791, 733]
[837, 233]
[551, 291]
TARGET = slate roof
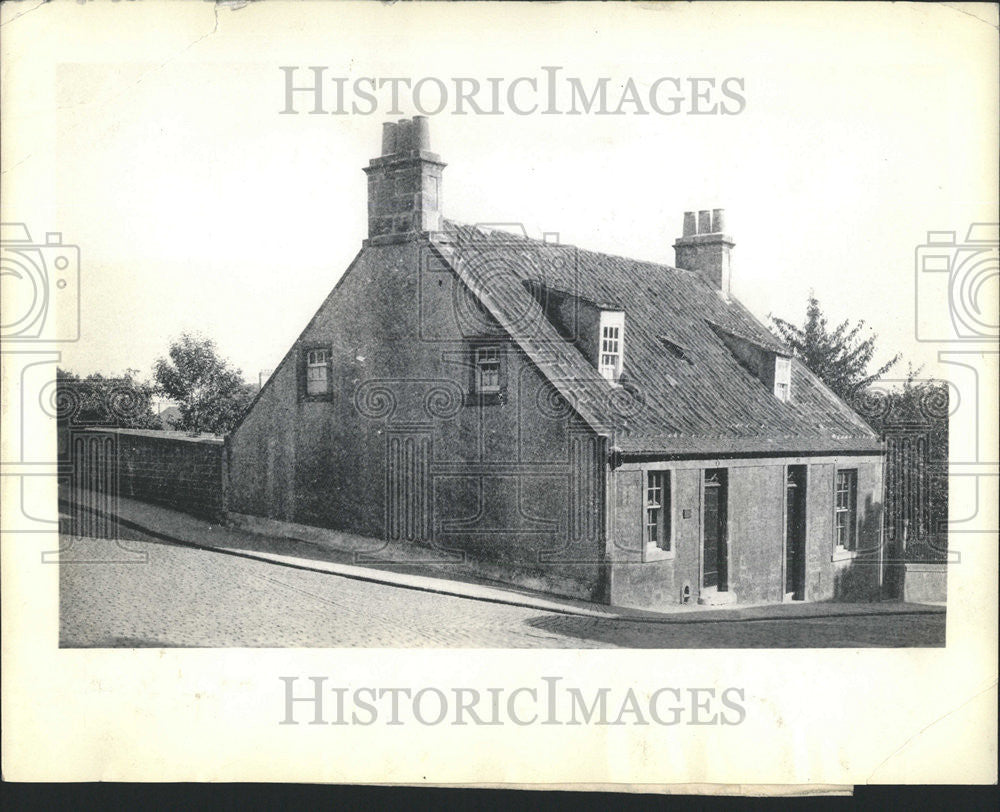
[684, 392]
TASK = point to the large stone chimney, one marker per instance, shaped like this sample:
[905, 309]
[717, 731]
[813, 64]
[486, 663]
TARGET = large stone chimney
[705, 248]
[404, 183]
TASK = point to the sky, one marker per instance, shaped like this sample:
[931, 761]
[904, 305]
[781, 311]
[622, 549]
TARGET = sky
[149, 135]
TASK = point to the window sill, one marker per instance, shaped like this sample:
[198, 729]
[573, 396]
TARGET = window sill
[485, 398]
[653, 553]
[841, 554]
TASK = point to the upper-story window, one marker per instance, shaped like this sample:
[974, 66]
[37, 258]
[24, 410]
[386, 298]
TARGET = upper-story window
[487, 370]
[782, 378]
[611, 348]
[611, 352]
[317, 372]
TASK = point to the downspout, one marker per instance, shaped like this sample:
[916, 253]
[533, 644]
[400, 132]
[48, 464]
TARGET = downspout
[226, 464]
[610, 458]
[881, 526]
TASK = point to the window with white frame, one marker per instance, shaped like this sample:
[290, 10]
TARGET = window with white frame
[846, 508]
[487, 370]
[782, 378]
[611, 352]
[658, 524]
[317, 372]
[611, 344]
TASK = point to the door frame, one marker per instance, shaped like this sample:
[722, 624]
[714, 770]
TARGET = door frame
[724, 484]
[786, 470]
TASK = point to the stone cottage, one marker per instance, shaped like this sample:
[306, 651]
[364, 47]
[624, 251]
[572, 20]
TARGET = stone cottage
[594, 426]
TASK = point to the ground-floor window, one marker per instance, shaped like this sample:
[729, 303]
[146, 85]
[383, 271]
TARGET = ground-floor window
[658, 524]
[846, 508]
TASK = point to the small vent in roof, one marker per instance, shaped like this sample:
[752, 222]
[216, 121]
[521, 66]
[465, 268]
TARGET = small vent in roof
[675, 349]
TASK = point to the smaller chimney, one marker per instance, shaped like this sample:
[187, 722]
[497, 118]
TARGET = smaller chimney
[705, 248]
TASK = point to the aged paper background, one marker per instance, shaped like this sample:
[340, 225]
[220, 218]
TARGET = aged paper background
[814, 716]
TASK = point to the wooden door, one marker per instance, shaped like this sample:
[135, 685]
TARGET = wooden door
[795, 531]
[715, 553]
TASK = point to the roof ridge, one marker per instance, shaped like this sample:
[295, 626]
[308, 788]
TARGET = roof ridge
[733, 301]
[591, 251]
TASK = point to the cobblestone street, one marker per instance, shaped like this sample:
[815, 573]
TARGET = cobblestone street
[150, 593]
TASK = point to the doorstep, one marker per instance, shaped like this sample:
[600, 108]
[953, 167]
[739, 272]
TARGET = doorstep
[716, 598]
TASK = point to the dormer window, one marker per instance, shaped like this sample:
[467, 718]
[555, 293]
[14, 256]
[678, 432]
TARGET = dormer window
[611, 352]
[782, 378]
[609, 361]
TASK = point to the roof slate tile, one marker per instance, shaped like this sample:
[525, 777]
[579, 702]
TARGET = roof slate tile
[701, 400]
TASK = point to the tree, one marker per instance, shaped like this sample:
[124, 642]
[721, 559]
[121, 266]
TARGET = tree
[106, 402]
[839, 357]
[913, 421]
[211, 394]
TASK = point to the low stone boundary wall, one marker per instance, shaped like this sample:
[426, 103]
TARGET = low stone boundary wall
[171, 468]
[925, 583]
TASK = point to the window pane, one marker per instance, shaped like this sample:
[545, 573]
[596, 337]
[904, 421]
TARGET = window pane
[658, 509]
[488, 369]
[490, 376]
[653, 507]
[316, 380]
[317, 372]
[846, 508]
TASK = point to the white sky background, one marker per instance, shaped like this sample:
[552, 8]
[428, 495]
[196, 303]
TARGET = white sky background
[197, 207]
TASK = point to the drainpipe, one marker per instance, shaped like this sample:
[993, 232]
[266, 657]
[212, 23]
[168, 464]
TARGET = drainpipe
[611, 458]
[881, 530]
[225, 463]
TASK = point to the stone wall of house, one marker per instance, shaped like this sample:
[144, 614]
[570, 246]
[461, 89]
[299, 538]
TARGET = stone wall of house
[173, 469]
[403, 448]
[647, 578]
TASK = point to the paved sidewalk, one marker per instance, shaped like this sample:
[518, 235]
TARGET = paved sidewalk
[408, 571]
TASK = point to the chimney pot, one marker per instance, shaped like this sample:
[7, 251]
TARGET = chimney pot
[690, 227]
[388, 138]
[404, 135]
[704, 222]
[422, 139]
[718, 221]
